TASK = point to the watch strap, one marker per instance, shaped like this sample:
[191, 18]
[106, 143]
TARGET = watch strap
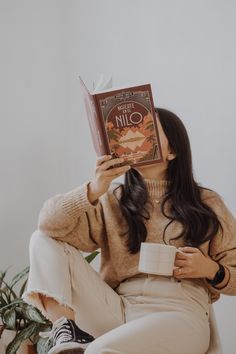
[219, 276]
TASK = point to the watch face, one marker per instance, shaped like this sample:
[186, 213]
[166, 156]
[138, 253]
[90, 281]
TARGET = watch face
[219, 277]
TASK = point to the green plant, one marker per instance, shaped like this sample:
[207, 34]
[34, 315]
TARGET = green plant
[17, 315]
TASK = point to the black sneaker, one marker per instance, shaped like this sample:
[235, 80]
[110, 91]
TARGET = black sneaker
[67, 337]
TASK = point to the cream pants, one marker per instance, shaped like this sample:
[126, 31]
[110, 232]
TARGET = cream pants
[146, 315]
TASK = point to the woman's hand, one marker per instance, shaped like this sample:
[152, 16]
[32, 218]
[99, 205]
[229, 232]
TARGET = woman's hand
[104, 174]
[194, 264]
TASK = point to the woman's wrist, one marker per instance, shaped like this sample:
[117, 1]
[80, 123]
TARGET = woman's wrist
[212, 269]
[225, 281]
[92, 194]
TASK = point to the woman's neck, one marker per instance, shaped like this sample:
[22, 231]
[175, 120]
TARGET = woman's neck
[154, 172]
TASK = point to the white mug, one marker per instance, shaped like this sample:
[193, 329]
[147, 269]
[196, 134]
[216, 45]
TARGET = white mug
[156, 258]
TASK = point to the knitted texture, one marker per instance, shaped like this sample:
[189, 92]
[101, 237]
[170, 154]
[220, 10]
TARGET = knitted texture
[71, 218]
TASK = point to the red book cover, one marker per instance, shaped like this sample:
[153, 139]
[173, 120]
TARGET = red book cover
[123, 123]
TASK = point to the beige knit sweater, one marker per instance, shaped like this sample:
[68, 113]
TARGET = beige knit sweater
[71, 218]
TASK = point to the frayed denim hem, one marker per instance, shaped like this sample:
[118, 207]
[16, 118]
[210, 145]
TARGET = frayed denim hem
[32, 297]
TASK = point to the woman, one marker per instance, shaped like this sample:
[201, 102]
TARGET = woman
[122, 310]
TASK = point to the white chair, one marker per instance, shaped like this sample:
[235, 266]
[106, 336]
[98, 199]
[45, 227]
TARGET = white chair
[215, 343]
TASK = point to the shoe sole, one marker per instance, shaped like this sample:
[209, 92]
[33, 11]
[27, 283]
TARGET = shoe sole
[68, 350]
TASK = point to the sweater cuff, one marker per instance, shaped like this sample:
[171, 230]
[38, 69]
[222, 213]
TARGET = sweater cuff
[76, 201]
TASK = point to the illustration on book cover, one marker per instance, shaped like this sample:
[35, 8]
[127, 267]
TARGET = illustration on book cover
[129, 125]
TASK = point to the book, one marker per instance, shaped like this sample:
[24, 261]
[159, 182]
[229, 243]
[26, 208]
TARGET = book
[122, 122]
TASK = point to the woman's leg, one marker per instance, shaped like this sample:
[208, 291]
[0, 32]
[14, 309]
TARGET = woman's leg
[60, 273]
[171, 332]
[163, 316]
[55, 310]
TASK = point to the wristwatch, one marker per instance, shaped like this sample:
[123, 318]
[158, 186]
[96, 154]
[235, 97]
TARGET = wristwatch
[219, 277]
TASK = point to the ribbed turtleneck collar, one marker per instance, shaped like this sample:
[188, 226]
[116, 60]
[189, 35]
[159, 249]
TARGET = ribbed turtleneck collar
[156, 188]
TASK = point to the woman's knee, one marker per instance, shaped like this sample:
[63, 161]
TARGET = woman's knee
[38, 237]
[40, 242]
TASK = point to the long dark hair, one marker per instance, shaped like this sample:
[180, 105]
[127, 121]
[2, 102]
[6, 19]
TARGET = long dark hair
[199, 221]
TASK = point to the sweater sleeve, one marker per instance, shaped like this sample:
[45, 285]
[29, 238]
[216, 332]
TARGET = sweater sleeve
[222, 247]
[71, 218]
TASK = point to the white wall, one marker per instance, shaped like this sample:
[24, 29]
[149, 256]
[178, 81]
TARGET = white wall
[186, 49]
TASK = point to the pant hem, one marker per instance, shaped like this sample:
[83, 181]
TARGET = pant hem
[32, 297]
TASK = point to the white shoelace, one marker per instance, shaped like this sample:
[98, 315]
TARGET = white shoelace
[61, 337]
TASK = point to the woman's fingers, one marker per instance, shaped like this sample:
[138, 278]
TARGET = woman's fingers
[102, 159]
[107, 167]
[181, 263]
[105, 172]
[111, 163]
[116, 171]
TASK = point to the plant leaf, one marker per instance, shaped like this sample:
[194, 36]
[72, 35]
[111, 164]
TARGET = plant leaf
[31, 313]
[43, 345]
[9, 318]
[45, 327]
[22, 289]
[2, 296]
[13, 303]
[91, 256]
[4, 292]
[19, 276]
[11, 292]
[20, 337]
[2, 276]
